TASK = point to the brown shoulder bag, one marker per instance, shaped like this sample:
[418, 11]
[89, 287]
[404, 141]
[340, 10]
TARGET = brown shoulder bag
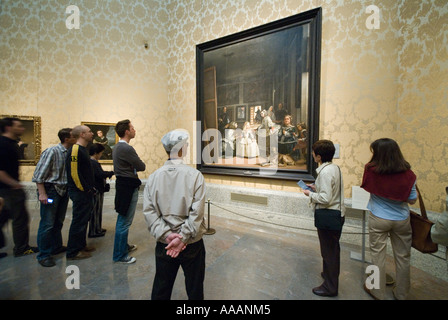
[421, 229]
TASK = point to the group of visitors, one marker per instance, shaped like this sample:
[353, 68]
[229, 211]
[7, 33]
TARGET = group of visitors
[173, 205]
[66, 171]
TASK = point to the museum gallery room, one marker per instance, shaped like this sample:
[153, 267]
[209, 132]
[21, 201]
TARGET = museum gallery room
[255, 84]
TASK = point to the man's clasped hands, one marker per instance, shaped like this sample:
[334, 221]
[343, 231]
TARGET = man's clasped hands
[175, 245]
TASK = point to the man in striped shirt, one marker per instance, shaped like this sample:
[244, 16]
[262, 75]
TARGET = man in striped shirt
[51, 180]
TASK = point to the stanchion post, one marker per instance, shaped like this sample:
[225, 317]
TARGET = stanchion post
[209, 230]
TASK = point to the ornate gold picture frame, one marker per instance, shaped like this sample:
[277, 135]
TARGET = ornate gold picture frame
[30, 143]
[103, 133]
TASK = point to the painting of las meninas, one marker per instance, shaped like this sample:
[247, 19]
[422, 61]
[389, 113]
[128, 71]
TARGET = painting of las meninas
[268, 118]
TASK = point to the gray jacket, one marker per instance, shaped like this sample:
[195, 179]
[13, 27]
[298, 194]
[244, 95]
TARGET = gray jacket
[173, 201]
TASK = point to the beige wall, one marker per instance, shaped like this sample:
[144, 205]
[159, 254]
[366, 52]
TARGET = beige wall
[422, 107]
[99, 73]
[374, 83]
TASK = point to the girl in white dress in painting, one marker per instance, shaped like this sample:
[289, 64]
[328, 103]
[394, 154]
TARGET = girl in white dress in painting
[247, 143]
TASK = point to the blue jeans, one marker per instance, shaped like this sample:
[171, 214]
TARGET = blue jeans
[52, 216]
[122, 229]
[82, 209]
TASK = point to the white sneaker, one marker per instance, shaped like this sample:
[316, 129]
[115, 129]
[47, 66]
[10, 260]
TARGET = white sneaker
[127, 260]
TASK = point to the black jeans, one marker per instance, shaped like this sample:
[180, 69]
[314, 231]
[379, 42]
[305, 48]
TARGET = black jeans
[15, 209]
[331, 256]
[82, 209]
[192, 260]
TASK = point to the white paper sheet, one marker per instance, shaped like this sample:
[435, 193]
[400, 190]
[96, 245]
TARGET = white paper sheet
[360, 198]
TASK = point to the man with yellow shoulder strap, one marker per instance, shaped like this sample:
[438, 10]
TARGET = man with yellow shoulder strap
[81, 190]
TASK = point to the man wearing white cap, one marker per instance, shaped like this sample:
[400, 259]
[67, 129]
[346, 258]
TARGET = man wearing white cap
[173, 206]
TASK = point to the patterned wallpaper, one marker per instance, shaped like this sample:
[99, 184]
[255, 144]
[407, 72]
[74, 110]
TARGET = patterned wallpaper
[375, 83]
[386, 82]
[422, 115]
[100, 72]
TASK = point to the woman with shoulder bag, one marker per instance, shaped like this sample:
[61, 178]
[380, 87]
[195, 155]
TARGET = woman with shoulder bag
[391, 183]
[327, 199]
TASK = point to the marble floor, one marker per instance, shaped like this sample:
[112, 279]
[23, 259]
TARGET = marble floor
[244, 261]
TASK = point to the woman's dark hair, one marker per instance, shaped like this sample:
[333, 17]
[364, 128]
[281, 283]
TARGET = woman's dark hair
[121, 127]
[96, 148]
[387, 157]
[325, 149]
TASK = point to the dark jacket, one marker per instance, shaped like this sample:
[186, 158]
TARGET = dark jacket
[81, 177]
[100, 175]
[124, 189]
[9, 159]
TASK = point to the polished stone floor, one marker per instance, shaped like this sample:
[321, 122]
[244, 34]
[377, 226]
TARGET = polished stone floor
[244, 261]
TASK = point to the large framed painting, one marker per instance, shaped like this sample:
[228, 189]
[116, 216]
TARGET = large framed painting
[103, 133]
[258, 100]
[30, 143]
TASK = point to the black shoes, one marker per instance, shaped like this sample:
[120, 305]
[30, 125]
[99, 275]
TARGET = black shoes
[101, 234]
[97, 235]
[319, 291]
[323, 293]
[47, 262]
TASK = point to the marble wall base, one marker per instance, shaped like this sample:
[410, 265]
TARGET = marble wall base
[282, 208]
[287, 211]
